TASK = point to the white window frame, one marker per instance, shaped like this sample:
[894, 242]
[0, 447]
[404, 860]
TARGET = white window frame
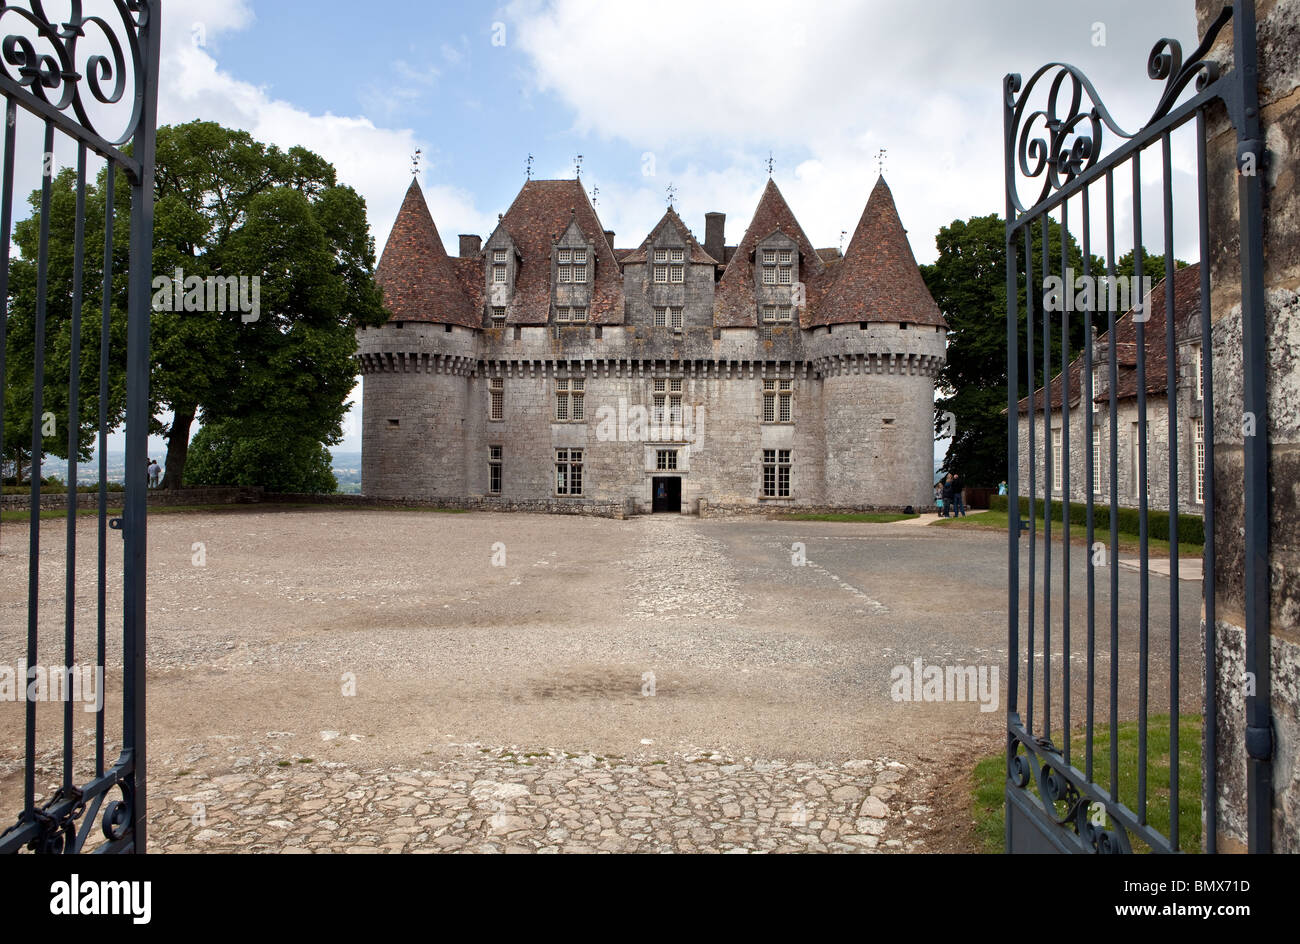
[494, 470]
[568, 472]
[496, 399]
[777, 474]
[1198, 460]
[1058, 480]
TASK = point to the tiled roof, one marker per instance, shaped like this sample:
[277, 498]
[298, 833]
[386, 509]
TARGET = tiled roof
[670, 219]
[734, 304]
[878, 279]
[538, 216]
[415, 272]
[1187, 327]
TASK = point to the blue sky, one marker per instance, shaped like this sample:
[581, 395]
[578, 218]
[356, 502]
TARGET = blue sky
[676, 92]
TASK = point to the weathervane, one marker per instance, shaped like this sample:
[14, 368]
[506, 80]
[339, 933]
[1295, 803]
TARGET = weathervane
[577, 166]
[529, 167]
[769, 163]
[594, 191]
[880, 162]
[843, 233]
[415, 163]
[672, 192]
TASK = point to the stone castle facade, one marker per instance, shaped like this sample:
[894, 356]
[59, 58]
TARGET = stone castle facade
[546, 368]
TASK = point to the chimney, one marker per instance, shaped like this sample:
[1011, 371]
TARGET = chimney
[609, 234]
[470, 246]
[714, 223]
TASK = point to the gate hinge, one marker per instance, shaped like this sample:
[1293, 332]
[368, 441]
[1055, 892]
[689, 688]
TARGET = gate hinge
[116, 524]
[1259, 742]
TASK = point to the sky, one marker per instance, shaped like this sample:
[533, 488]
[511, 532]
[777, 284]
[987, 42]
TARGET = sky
[683, 94]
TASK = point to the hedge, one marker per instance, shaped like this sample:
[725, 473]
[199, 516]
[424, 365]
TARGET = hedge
[1191, 528]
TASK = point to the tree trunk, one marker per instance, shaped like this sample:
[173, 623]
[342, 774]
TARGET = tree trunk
[178, 447]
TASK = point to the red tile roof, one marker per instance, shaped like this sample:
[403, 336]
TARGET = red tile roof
[673, 221]
[878, 279]
[734, 303]
[416, 274]
[1187, 327]
[538, 216]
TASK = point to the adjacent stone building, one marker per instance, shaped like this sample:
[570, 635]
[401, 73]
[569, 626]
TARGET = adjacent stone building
[543, 368]
[1188, 444]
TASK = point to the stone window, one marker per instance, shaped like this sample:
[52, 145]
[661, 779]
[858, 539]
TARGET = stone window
[777, 313]
[1198, 458]
[499, 256]
[661, 255]
[572, 266]
[1199, 365]
[1133, 483]
[661, 274]
[569, 393]
[1097, 479]
[568, 471]
[778, 266]
[499, 275]
[494, 470]
[1056, 460]
[778, 400]
[498, 315]
[571, 314]
[666, 460]
[666, 315]
[776, 473]
[497, 397]
[667, 400]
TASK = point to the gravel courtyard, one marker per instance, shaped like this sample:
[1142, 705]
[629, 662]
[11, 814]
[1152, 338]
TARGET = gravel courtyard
[421, 682]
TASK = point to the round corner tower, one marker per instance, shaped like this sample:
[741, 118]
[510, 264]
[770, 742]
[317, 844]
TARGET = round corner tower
[418, 367]
[878, 344]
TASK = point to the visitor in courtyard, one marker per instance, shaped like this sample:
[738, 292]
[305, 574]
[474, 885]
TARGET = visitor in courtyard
[1002, 487]
[155, 470]
[958, 503]
[947, 496]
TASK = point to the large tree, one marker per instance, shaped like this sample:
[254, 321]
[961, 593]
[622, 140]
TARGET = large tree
[968, 281]
[271, 383]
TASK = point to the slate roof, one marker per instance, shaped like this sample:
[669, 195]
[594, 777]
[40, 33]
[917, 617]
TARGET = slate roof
[734, 303]
[539, 215]
[415, 273]
[878, 279]
[1187, 327]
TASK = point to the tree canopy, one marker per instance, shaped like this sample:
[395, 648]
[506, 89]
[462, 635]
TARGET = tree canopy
[263, 268]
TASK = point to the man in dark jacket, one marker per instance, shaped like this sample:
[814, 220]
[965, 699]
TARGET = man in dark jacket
[958, 502]
[947, 496]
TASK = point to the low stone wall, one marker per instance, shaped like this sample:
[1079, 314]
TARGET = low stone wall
[89, 497]
[600, 509]
[710, 509]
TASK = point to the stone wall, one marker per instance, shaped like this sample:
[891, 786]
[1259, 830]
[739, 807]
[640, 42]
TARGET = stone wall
[1279, 94]
[861, 432]
[89, 497]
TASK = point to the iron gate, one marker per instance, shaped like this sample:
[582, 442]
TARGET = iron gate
[65, 79]
[1057, 796]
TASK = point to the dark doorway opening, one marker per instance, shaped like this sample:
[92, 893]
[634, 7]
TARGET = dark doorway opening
[667, 491]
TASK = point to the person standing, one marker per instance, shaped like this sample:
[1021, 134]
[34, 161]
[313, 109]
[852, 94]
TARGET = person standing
[1002, 487]
[155, 470]
[947, 496]
[958, 503]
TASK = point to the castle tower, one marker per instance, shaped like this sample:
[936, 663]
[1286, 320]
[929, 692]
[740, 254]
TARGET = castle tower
[877, 339]
[417, 367]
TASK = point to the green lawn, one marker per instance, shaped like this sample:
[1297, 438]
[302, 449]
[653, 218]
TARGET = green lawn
[1128, 543]
[988, 801]
[869, 517]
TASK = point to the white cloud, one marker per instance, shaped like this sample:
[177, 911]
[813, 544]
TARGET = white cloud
[372, 159]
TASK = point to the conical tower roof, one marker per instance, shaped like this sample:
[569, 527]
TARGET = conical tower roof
[415, 272]
[879, 279]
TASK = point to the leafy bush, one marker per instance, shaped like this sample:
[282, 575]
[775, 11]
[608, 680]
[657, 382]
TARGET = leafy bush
[1191, 528]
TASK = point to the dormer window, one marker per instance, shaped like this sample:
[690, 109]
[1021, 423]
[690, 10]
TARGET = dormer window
[670, 266]
[499, 275]
[572, 266]
[778, 267]
[499, 256]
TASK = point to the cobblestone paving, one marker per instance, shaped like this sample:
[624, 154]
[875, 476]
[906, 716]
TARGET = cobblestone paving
[482, 799]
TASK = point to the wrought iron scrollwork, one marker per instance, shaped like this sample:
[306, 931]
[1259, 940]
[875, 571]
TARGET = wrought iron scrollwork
[1067, 798]
[1064, 139]
[44, 58]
